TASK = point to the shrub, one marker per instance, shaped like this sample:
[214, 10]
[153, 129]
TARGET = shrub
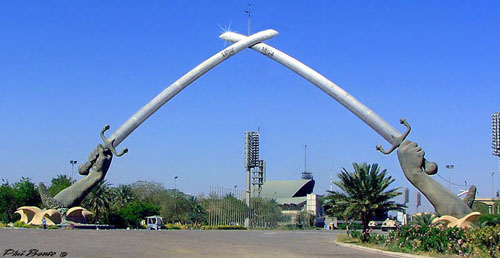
[173, 226]
[485, 240]
[489, 220]
[224, 227]
[2, 225]
[482, 241]
[356, 234]
[21, 224]
[423, 219]
[428, 238]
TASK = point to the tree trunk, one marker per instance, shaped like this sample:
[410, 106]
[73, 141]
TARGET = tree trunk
[364, 222]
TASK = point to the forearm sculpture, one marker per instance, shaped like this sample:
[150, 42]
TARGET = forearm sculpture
[411, 157]
[94, 170]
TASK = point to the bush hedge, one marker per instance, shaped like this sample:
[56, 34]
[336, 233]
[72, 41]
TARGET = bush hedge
[21, 224]
[224, 227]
[489, 220]
[173, 226]
[481, 241]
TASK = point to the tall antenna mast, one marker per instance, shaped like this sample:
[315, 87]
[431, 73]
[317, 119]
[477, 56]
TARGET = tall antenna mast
[305, 158]
[248, 12]
[331, 181]
[306, 175]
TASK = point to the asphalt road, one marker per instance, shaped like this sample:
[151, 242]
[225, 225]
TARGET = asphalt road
[171, 243]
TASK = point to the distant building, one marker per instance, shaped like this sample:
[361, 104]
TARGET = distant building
[294, 196]
[492, 204]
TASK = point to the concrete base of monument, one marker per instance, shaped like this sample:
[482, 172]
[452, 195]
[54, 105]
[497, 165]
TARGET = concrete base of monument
[32, 215]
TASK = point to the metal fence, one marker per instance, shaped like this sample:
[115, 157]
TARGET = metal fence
[227, 206]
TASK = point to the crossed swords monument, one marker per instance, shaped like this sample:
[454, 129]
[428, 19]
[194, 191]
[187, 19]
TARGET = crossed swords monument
[415, 167]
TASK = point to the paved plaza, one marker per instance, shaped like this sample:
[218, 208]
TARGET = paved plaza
[171, 243]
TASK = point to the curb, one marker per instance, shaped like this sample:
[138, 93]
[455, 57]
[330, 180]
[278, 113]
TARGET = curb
[373, 250]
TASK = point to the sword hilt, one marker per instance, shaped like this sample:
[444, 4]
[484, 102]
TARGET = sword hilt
[109, 144]
[430, 168]
[396, 140]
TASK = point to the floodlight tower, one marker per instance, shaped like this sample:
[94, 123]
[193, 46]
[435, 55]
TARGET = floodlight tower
[255, 167]
[495, 139]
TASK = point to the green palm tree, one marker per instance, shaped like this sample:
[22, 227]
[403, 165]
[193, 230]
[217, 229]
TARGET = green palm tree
[99, 199]
[363, 194]
[122, 195]
[423, 219]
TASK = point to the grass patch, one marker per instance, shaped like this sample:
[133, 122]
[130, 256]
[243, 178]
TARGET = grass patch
[356, 241]
[347, 239]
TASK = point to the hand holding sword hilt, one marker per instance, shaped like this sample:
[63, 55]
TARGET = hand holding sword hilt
[396, 140]
[429, 168]
[109, 144]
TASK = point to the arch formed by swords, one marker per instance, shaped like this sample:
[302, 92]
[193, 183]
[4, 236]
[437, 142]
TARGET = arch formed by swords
[389, 133]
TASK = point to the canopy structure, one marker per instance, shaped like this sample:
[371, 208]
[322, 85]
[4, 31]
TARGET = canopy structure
[287, 190]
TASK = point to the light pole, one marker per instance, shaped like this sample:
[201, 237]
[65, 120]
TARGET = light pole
[492, 185]
[175, 182]
[73, 163]
[449, 167]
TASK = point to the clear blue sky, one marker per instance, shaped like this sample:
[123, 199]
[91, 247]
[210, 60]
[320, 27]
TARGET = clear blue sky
[69, 68]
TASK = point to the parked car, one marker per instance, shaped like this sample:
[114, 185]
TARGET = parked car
[372, 224]
[390, 224]
[154, 222]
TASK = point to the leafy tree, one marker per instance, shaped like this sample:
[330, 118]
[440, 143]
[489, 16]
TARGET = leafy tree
[122, 196]
[227, 210]
[136, 211]
[480, 207]
[339, 208]
[363, 193]
[180, 207]
[266, 213]
[59, 183]
[152, 192]
[99, 200]
[27, 193]
[305, 219]
[8, 202]
[22, 193]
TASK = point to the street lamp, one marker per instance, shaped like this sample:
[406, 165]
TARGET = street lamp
[175, 182]
[73, 163]
[449, 167]
[492, 185]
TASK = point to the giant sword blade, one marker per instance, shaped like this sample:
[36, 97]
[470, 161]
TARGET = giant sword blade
[156, 103]
[373, 120]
